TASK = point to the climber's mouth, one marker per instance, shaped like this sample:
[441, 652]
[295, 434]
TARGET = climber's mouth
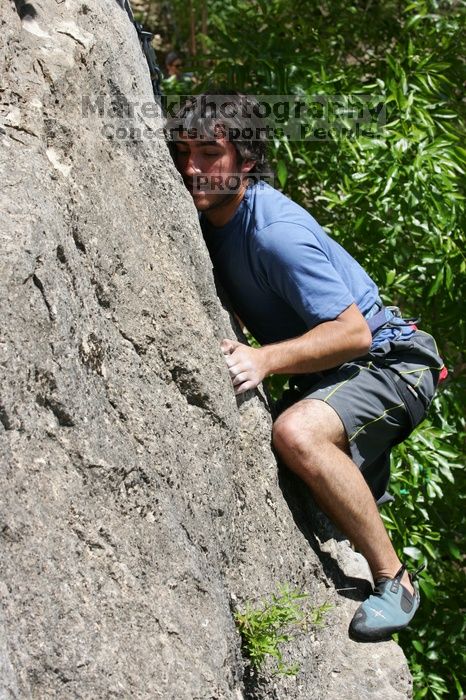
[195, 186]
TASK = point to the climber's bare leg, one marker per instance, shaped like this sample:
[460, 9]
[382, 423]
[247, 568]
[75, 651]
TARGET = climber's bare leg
[311, 440]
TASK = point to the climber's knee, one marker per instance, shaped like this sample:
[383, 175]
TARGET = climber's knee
[303, 431]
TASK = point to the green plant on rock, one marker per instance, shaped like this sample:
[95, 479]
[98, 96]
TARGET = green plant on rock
[275, 622]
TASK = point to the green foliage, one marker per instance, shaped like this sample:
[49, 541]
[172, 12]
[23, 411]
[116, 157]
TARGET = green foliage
[266, 628]
[426, 523]
[172, 86]
[395, 199]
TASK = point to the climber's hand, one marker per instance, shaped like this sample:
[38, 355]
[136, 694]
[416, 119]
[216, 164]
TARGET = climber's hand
[246, 365]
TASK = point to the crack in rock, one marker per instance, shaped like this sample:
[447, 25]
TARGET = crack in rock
[50, 308]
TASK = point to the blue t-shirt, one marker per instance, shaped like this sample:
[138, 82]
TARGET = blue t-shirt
[282, 273]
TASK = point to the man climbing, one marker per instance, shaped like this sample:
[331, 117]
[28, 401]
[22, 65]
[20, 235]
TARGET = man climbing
[364, 377]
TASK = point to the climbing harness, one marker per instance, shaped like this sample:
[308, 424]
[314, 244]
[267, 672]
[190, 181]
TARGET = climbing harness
[384, 316]
[145, 38]
[414, 405]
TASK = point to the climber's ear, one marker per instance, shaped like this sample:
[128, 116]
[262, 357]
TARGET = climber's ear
[247, 166]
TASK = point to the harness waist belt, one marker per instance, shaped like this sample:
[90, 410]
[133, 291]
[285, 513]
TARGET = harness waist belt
[378, 320]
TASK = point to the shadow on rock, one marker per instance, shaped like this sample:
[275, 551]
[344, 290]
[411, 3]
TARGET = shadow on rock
[317, 529]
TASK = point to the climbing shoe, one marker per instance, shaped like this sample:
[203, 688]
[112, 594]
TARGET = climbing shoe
[389, 609]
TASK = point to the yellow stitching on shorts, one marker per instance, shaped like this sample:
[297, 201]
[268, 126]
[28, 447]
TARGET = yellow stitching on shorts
[387, 410]
[338, 386]
[421, 371]
[422, 368]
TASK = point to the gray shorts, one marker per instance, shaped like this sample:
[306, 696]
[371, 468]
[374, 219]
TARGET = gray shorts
[366, 396]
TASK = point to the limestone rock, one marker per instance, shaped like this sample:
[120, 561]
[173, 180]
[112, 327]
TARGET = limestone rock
[140, 505]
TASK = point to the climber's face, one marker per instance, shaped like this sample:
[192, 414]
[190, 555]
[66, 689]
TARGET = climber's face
[212, 173]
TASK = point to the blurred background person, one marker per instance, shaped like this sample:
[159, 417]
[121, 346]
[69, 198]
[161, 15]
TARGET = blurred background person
[174, 65]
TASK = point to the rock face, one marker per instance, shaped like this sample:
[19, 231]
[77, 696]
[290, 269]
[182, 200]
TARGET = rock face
[140, 505]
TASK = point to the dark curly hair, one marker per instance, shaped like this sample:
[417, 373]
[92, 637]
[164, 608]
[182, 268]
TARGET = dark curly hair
[235, 117]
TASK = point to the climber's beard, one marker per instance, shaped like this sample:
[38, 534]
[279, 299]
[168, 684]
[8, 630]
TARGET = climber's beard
[207, 200]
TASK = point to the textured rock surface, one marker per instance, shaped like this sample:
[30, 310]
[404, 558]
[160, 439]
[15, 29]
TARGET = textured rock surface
[139, 503]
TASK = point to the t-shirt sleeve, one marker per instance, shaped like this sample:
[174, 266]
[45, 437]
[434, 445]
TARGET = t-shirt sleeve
[299, 271]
